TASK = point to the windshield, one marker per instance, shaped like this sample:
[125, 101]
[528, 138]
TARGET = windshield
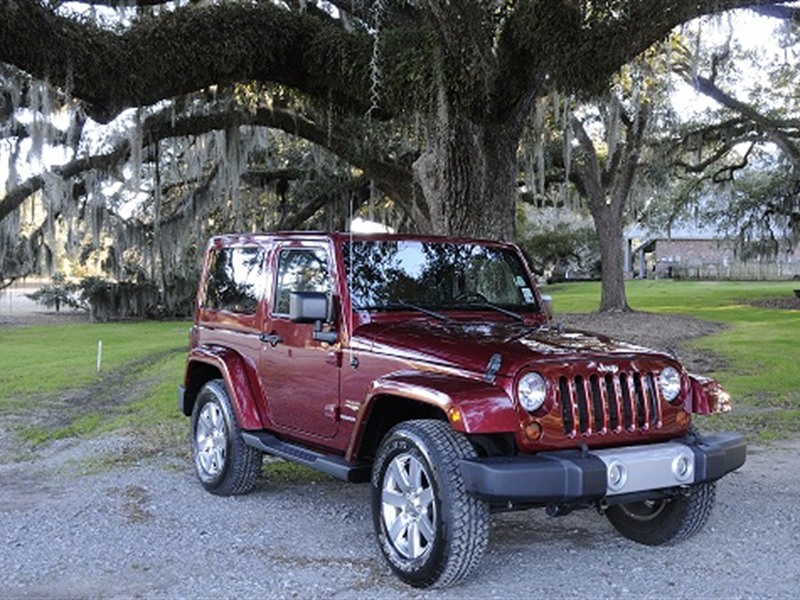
[387, 275]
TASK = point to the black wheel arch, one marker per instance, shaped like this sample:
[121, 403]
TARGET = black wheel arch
[390, 410]
[198, 373]
[386, 411]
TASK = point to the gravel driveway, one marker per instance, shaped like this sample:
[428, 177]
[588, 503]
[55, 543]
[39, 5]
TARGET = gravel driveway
[148, 529]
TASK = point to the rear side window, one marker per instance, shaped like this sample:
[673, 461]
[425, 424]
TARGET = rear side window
[235, 280]
[300, 270]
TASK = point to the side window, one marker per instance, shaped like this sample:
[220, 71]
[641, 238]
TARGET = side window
[300, 270]
[235, 280]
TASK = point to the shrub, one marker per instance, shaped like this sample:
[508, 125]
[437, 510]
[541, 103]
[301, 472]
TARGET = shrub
[57, 294]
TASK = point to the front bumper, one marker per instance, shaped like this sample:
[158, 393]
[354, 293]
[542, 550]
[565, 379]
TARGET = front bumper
[569, 476]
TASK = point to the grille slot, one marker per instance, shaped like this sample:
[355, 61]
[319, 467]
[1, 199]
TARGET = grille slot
[609, 403]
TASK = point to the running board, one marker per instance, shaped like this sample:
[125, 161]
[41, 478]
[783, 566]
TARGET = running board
[336, 466]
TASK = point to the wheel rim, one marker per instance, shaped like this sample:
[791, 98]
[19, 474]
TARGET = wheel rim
[408, 507]
[644, 511]
[211, 440]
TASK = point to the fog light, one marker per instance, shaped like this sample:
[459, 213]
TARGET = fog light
[617, 476]
[683, 468]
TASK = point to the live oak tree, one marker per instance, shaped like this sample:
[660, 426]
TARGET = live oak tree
[737, 165]
[605, 150]
[468, 71]
[606, 180]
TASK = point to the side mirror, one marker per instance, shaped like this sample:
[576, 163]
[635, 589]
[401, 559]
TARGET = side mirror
[312, 307]
[308, 307]
[547, 305]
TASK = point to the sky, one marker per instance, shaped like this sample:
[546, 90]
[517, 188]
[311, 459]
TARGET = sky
[751, 30]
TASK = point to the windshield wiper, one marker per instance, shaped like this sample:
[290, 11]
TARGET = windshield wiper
[500, 309]
[422, 309]
[528, 329]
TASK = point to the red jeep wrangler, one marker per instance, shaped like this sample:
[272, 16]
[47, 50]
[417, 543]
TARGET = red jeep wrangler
[429, 368]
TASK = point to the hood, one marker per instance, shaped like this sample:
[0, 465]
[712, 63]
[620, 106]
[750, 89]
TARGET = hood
[471, 345]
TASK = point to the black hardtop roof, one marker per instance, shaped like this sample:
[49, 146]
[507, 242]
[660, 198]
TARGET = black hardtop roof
[237, 239]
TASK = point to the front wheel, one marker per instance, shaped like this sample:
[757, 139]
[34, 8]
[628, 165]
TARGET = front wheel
[225, 465]
[665, 521]
[430, 530]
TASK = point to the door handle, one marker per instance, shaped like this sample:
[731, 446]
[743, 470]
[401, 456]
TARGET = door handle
[273, 339]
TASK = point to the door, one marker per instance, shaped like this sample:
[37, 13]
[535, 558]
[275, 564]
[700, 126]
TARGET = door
[301, 375]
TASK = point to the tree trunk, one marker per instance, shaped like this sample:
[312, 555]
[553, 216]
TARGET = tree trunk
[467, 171]
[468, 175]
[609, 226]
[607, 197]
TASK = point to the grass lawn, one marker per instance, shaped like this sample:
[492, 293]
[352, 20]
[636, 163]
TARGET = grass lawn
[762, 345]
[49, 377]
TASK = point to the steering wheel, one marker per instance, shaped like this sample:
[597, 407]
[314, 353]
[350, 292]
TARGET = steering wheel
[470, 297]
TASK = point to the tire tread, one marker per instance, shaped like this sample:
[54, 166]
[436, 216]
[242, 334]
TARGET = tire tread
[467, 519]
[243, 464]
[684, 517]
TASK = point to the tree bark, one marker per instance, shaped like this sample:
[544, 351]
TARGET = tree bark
[610, 226]
[607, 192]
[468, 175]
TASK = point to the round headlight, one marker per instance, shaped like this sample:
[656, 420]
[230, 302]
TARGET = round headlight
[531, 391]
[670, 383]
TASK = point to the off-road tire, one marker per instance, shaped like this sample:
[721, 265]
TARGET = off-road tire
[666, 521]
[225, 465]
[431, 452]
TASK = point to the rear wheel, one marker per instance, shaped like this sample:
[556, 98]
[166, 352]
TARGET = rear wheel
[665, 521]
[430, 530]
[225, 465]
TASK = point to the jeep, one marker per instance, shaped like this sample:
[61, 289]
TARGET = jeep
[431, 368]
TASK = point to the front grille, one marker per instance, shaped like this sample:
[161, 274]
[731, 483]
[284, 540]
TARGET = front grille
[609, 403]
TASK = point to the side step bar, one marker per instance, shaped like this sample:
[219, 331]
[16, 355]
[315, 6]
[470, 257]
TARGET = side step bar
[336, 466]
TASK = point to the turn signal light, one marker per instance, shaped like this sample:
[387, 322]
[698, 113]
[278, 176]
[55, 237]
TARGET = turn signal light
[533, 431]
[682, 418]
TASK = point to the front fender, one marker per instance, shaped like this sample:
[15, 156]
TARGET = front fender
[472, 405]
[707, 397]
[235, 371]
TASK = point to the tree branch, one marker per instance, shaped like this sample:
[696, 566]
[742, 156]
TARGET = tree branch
[771, 127]
[392, 176]
[588, 170]
[186, 50]
[603, 47]
[15, 197]
[308, 210]
[786, 13]
[199, 45]
[123, 3]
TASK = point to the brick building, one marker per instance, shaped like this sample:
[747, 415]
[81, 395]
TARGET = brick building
[705, 258]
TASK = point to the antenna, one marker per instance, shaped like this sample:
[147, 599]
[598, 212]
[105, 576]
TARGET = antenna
[349, 316]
